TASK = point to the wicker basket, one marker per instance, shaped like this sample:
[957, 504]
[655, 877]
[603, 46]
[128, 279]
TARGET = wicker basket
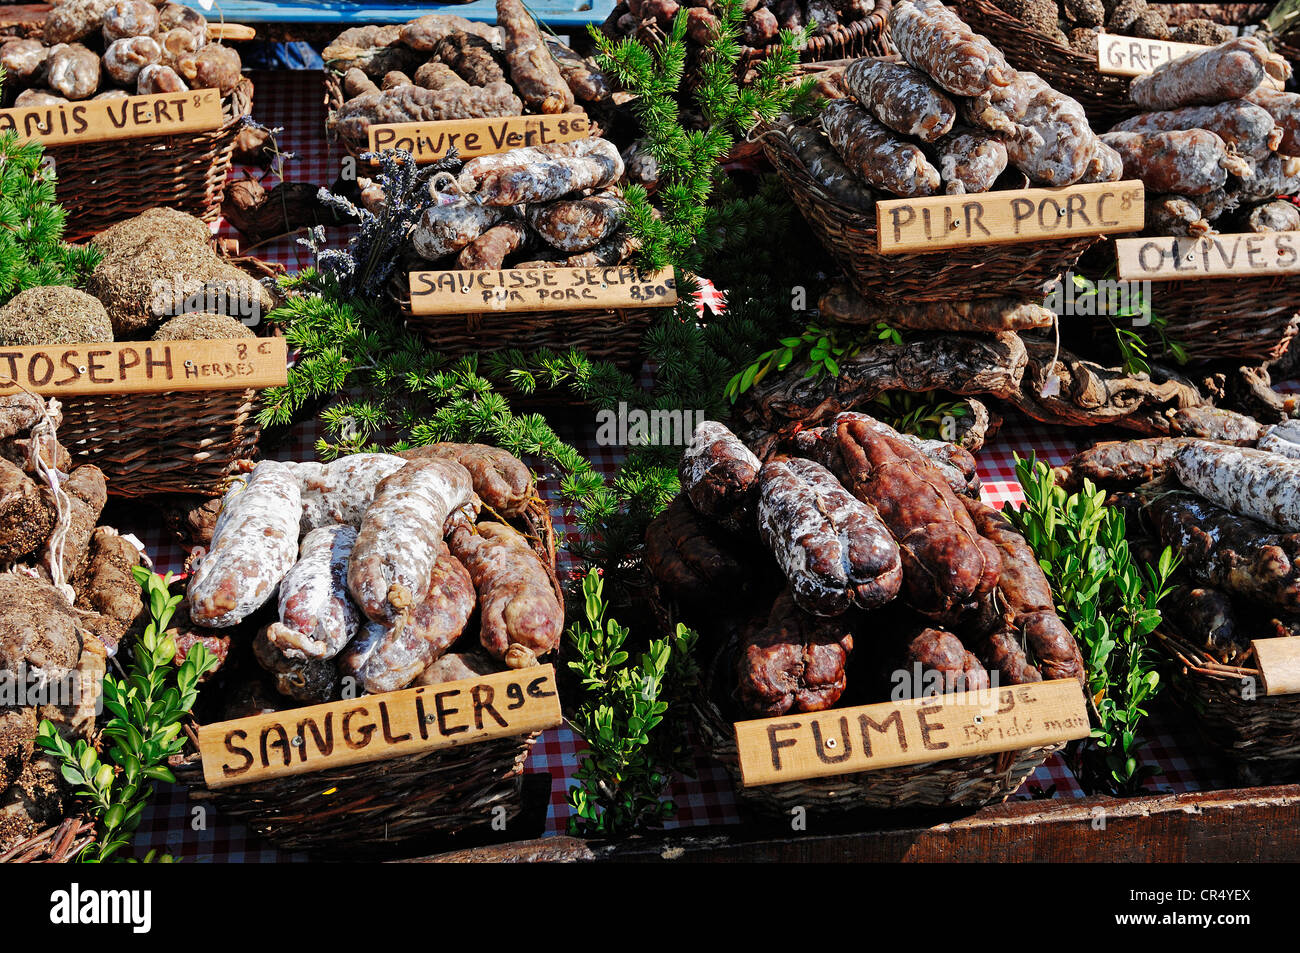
[960, 782]
[606, 334]
[1104, 98]
[104, 182]
[189, 442]
[1249, 319]
[372, 809]
[849, 234]
[1259, 736]
[57, 845]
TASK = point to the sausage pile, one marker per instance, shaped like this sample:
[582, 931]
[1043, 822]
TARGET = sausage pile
[442, 66]
[372, 567]
[1218, 141]
[543, 206]
[1226, 503]
[1076, 23]
[951, 117]
[866, 533]
[102, 49]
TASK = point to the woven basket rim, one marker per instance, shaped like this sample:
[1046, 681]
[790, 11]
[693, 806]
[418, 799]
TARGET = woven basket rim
[58, 843]
[1198, 661]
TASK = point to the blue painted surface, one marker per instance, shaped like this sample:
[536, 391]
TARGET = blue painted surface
[554, 13]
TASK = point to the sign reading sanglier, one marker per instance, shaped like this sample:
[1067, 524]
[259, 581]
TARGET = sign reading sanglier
[378, 727]
[101, 120]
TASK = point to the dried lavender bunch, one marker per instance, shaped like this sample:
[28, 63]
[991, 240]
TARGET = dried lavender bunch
[372, 255]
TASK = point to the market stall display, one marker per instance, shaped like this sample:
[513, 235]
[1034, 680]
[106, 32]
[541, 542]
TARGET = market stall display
[371, 602]
[137, 107]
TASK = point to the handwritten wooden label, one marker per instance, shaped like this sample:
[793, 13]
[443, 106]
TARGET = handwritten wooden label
[540, 289]
[429, 141]
[99, 120]
[1133, 56]
[1173, 258]
[916, 731]
[144, 367]
[1279, 665]
[937, 222]
[379, 727]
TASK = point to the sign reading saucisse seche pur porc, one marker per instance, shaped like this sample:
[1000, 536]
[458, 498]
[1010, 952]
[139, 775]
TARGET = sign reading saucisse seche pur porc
[937, 222]
[540, 289]
[130, 117]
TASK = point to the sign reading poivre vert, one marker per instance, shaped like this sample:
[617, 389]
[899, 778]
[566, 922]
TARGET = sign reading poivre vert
[936, 222]
[541, 289]
[379, 727]
[1176, 258]
[916, 731]
[100, 120]
[144, 367]
[1133, 55]
[430, 141]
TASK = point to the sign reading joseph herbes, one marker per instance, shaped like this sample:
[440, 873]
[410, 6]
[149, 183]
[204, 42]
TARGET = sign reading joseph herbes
[132, 117]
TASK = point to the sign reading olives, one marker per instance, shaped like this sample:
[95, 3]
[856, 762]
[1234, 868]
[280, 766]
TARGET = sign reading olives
[144, 367]
[915, 731]
[129, 117]
[936, 222]
[541, 289]
[1243, 255]
[378, 727]
[430, 141]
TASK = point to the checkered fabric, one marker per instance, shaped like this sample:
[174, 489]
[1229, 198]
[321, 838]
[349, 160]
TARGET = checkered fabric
[295, 102]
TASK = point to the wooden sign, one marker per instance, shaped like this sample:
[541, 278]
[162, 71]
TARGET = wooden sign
[540, 289]
[100, 120]
[1133, 56]
[429, 141]
[144, 367]
[916, 731]
[1279, 665]
[379, 727]
[937, 222]
[1173, 258]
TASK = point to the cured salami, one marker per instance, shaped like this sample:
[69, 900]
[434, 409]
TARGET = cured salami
[544, 173]
[949, 569]
[390, 656]
[340, 492]
[841, 303]
[401, 536]
[520, 616]
[824, 165]
[490, 250]
[1230, 70]
[532, 70]
[935, 40]
[1046, 132]
[1279, 216]
[690, 559]
[1247, 128]
[449, 227]
[1184, 162]
[1245, 481]
[941, 653]
[500, 479]
[585, 80]
[254, 544]
[901, 97]
[574, 225]
[875, 154]
[970, 161]
[471, 57]
[417, 104]
[1285, 110]
[719, 475]
[317, 619]
[834, 550]
[794, 661]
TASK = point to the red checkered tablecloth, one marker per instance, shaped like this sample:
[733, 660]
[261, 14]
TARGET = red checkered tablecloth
[294, 101]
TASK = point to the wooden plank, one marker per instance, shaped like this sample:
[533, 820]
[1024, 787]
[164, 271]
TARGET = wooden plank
[1133, 56]
[1279, 665]
[144, 367]
[1173, 258]
[231, 32]
[429, 141]
[914, 731]
[1239, 825]
[102, 120]
[937, 222]
[379, 727]
[540, 289]
[556, 13]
